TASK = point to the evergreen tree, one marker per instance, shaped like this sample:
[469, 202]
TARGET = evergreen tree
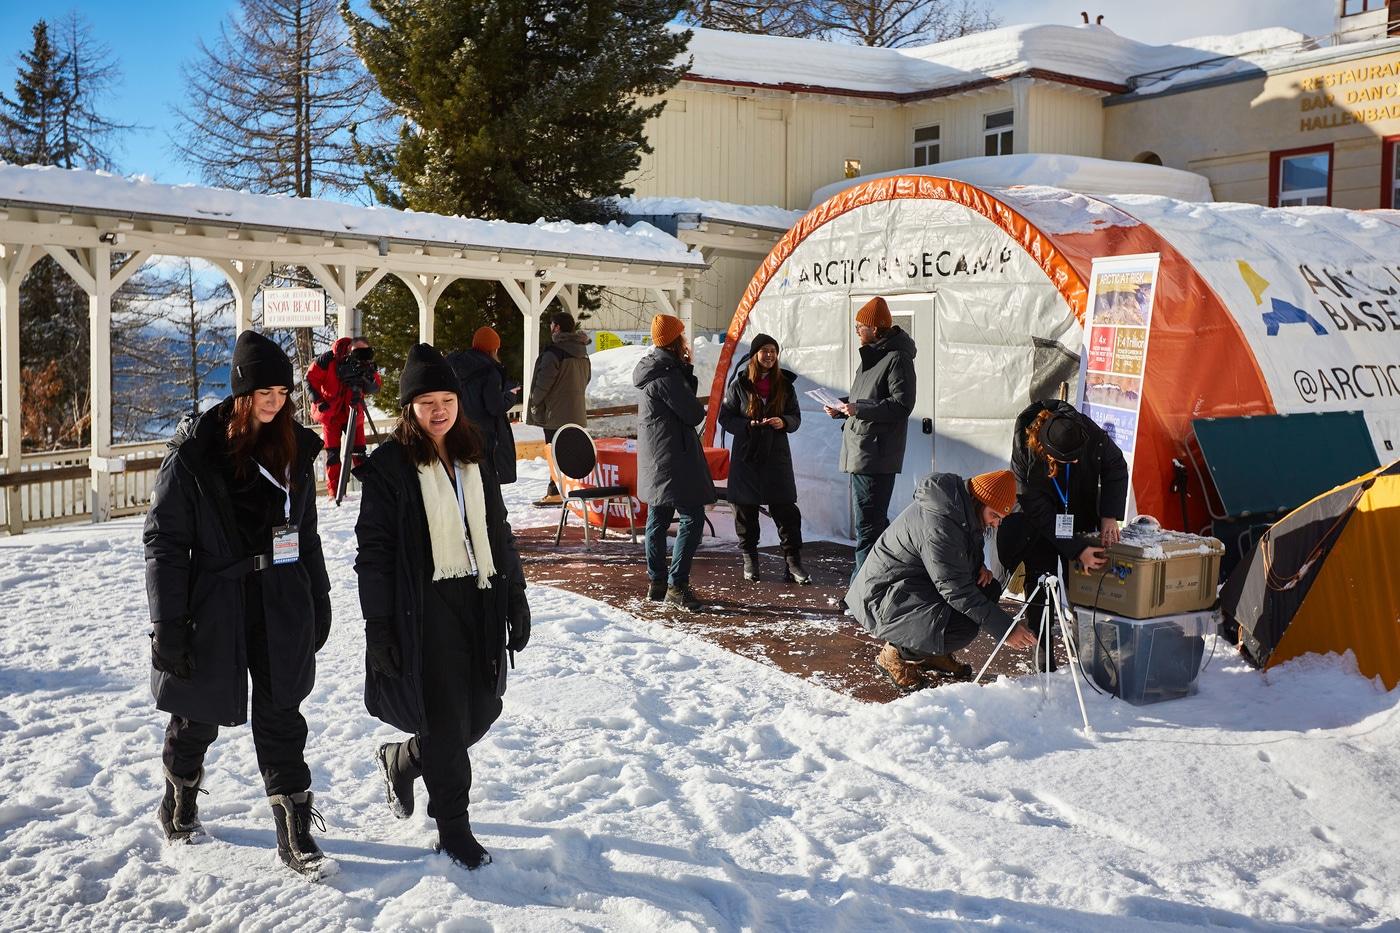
[511, 110]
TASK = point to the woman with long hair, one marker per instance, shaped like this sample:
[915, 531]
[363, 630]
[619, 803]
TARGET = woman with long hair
[1072, 484]
[443, 596]
[237, 586]
[760, 411]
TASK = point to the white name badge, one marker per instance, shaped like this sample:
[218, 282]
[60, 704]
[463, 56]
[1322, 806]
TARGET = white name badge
[285, 546]
[1064, 526]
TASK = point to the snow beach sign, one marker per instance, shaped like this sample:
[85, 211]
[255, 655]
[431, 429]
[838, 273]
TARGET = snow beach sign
[1122, 291]
[294, 307]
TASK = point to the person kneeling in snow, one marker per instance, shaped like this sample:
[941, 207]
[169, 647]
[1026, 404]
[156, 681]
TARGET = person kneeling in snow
[924, 587]
[443, 596]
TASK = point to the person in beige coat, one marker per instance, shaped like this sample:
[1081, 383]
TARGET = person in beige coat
[559, 388]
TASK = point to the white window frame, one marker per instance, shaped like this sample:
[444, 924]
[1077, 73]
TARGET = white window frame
[1001, 137]
[1394, 145]
[1303, 197]
[931, 149]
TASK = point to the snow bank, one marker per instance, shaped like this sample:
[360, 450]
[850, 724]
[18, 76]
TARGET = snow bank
[101, 191]
[1081, 174]
[611, 383]
[749, 215]
[642, 779]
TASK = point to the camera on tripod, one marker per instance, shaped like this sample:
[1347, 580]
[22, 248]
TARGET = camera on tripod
[356, 372]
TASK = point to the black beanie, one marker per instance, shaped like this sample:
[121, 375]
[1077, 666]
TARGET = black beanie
[759, 342]
[1064, 438]
[258, 363]
[425, 370]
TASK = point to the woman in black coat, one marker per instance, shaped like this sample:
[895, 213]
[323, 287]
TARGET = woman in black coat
[1072, 483]
[760, 410]
[487, 395]
[443, 596]
[237, 586]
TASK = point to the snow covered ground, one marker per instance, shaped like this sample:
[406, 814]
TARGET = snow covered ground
[641, 779]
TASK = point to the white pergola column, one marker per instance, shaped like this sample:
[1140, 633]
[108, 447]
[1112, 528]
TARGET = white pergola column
[14, 265]
[531, 298]
[245, 277]
[427, 289]
[342, 283]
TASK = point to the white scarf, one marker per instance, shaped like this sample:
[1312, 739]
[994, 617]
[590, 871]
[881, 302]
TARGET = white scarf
[446, 529]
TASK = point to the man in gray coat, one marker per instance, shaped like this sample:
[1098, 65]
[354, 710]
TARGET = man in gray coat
[876, 417]
[559, 389]
[924, 588]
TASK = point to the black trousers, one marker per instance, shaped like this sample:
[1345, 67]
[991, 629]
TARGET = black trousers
[279, 733]
[1019, 542]
[552, 489]
[459, 694]
[870, 500]
[787, 516]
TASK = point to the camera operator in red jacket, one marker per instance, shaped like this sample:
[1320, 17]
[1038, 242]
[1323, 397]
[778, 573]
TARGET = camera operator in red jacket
[334, 377]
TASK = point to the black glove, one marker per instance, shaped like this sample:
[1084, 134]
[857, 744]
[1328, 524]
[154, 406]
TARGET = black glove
[323, 619]
[519, 624]
[382, 650]
[172, 648]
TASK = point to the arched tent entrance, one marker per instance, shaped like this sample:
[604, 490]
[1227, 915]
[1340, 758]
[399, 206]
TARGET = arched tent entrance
[993, 284]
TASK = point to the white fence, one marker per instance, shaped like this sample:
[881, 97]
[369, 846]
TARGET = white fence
[53, 487]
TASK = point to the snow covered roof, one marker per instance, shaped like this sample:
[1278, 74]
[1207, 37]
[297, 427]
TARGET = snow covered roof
[765, 216]
[1080, 174]
[1283, 57]
[68, 191]
[1089, 54]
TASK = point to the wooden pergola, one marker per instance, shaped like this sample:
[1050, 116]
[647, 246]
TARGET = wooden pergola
[85, 219]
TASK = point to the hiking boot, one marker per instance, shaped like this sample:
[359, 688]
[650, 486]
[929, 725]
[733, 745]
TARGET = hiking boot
[795, 573]
[903, 674]
[656, 590]
[681, 596]
[456, 841]
[945, 666]
[547, 502]
[400, 770]
[179, 807]
[751, 566]
[295, 815]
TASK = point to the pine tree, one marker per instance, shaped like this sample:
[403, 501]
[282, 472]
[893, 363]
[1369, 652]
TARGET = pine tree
[511, 110]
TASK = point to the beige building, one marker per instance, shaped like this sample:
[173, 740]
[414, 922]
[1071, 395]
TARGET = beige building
[1270, 117]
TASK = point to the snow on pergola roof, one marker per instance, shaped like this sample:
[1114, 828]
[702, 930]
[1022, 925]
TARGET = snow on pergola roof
[67, 192]
[1091, 55]
[719, 227]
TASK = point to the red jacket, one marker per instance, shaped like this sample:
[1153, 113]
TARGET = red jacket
[332, 399]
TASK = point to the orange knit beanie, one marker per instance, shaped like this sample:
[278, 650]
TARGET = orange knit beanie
[875, 313]
[665, 329]
[486, 340]
[996, 490]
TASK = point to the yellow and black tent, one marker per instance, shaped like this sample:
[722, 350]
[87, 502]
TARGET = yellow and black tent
[1324, 578]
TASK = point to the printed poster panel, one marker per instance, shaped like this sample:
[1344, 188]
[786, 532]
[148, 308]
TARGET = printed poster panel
[1122, 290]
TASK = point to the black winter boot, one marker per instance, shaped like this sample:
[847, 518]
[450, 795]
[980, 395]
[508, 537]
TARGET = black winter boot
[294, 816]
[455, 840]
[656, 590]
[682, 597]
[795, 572]
[400, 771]
[179, 808]
[751, 566]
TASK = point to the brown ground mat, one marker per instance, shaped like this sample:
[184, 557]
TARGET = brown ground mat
[797, 629]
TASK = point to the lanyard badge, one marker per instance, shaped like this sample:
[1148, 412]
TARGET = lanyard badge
[1064, 522]
[466, 531]
[286, 547]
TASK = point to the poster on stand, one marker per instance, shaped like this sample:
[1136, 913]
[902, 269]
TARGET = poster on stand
[1113, 364]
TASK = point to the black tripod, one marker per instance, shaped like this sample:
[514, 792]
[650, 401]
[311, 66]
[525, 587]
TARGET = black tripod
[359, 414]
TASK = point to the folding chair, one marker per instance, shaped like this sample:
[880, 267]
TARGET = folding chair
[576, 458]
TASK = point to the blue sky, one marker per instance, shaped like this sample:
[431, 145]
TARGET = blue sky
[150, 39]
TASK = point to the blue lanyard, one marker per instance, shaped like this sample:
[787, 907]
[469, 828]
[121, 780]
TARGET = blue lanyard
[1063, 493]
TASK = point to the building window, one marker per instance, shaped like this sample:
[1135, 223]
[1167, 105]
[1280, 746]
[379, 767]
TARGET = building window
[926, 145]
[1390, 172]
[996, 133]
[1353, 7]
[1300, 177]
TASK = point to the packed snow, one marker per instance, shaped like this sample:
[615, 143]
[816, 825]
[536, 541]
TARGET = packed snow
[73, 189]
[767, 216]
[1080, 174]
[642, 779]
[611, 383]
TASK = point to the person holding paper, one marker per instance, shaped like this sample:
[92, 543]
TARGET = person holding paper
[443, 596]
[1072, 481]
[876, 424]
[237, 587]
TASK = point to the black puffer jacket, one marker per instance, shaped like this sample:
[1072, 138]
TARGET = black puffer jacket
[924, 568]
[395, 566]
[485, 400]
[193, 555]
[873, 438]
[760, 460]
[1097, 485]
[671, 466]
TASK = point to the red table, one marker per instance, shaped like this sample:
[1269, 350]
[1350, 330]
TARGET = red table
[617, 466]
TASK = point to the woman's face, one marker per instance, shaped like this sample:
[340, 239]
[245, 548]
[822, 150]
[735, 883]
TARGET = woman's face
[436, 412]
[768, 356]
[268, 402]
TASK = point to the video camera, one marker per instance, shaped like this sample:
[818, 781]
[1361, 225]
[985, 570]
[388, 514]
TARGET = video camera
[357, 370]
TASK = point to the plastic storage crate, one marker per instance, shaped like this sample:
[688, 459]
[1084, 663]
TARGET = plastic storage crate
[1144, 660]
